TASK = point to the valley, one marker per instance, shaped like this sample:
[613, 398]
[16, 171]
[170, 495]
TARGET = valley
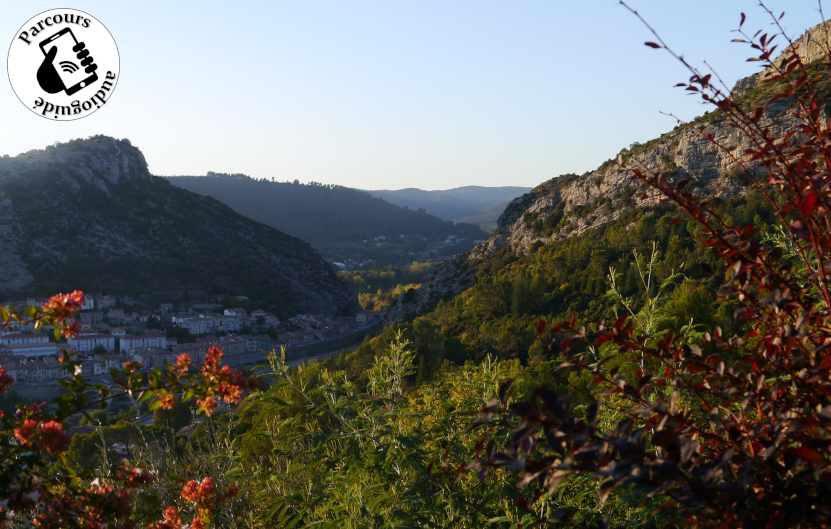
[643, 344]
[347, 226]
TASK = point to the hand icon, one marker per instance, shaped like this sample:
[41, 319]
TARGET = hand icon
[48, 77]
[50, 80]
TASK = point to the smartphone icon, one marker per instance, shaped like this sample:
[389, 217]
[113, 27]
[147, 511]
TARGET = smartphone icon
[66, 63]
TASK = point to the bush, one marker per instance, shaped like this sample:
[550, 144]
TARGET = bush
[725, 431]
[49, 481]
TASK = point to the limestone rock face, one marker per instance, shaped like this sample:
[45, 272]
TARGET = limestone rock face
[603, 195]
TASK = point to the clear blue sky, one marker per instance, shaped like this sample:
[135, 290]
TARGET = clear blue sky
[385, 95]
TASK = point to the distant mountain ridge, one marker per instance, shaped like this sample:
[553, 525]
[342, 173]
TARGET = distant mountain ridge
[474, 204]
[489, 217]
[326, 216]
[87, 214]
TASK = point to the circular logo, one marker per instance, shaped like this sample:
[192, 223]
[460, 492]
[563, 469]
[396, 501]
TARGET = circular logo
[63, 64]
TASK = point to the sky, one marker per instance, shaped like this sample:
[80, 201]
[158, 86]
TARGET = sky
[433, 94]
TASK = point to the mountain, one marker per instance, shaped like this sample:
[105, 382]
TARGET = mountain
[436, 203]
[577, 223]
[488, 218]
[459, 204]
[336, 220]
[87, 214]
[487, 195]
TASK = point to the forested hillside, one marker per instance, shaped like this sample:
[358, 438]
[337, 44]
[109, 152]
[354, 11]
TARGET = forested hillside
[88, 215]
[497, 315]
[336, 220]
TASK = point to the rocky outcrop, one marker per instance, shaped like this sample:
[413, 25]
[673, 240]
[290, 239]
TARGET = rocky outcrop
[569, 205]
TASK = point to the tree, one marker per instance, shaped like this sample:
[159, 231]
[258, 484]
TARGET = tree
[176, 417]
[97, 417]
[85, 450]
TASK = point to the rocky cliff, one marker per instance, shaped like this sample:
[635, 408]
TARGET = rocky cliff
[569, 205]
[88, 214]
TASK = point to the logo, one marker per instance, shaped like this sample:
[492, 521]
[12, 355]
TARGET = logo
[63, 64]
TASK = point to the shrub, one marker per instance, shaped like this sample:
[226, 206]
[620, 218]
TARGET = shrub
[729, 431]
[41, 487]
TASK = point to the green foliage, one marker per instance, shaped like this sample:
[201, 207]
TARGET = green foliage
[382, 299]
[379, 288]
[387, 375]
[176, 418]
[323, 450]
[567, 277]
[98, 417]
[86, 450]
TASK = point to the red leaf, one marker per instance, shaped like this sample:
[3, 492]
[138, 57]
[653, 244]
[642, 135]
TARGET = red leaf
[809, 454]
[744, 17]
[653, 44]
[807, 204]
[541, 325]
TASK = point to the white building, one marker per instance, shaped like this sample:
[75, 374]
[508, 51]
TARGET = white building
[36, 302]
[88, 342]
[104, 302]
[89, 303]
[193, 324]
[103, 363]
[229, 323]
[32, 350]
[19, 339]
[142, 341]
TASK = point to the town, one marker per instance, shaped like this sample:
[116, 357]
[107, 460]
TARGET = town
[111, 335]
